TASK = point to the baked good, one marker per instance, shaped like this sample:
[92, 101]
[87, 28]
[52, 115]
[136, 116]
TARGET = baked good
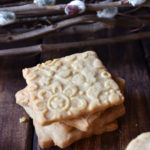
[71, 98]
[141, 142]
[70, 87]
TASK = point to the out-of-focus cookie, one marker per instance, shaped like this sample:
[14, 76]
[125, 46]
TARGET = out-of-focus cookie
[141, 142]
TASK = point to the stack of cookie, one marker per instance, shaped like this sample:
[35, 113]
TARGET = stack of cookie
[71, 98]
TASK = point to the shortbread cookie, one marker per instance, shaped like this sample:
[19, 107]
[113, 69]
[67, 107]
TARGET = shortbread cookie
[141, 142]
[44, 136]
[69, 87]
[62, 138]
[83, 123]
[63, 135]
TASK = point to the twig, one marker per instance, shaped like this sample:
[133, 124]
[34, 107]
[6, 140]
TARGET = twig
[38, 13]
[60, 7]
[106, 4]
[84, 28]
[112, 40]
[44, 30]
[52, 19]
[88, 27]
[21, 51]
[62, 46]
[43, 18]
[103, 24]
[56, 18]
[15, 4]
[33, 7]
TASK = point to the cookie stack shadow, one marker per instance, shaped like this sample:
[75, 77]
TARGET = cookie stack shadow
[71, 98]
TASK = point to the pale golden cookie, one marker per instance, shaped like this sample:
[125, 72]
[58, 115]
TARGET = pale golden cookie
[141, 142]
[83, 123]
[44, 137]
[63, 139]
[69, 87]
[63, 135]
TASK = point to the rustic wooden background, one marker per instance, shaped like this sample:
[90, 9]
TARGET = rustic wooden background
[130, 60]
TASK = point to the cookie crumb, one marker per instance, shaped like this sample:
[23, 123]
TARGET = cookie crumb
[23, 120]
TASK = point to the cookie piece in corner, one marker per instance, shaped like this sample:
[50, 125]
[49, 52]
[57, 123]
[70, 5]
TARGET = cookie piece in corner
[141, 142]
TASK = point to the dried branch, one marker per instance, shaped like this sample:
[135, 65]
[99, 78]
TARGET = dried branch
[40, 13]
[33, 7]
[60, 7]
[84, 28]
[112, 40]
[51, 19]
[44, 30]
[21, 51]
[62, 46]
[103, 24]
[106, 4]
[78, 29]
[15, 4]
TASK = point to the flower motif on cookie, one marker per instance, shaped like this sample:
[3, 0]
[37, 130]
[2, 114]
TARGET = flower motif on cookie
[65, 100]
[58, 102]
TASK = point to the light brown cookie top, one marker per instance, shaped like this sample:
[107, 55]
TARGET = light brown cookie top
[141, 142]
[63, 135]
[84, 122]
[71, 86]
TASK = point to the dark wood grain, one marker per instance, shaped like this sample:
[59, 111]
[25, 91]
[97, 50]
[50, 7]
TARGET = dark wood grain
[13, 135]
[145, 44]
[126, 60]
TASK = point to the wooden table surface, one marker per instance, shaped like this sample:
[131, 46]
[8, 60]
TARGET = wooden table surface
[128, 60]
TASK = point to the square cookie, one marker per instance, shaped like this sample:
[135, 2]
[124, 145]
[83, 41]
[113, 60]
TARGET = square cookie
[69, 87]
[83, 123]
[63, 135]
